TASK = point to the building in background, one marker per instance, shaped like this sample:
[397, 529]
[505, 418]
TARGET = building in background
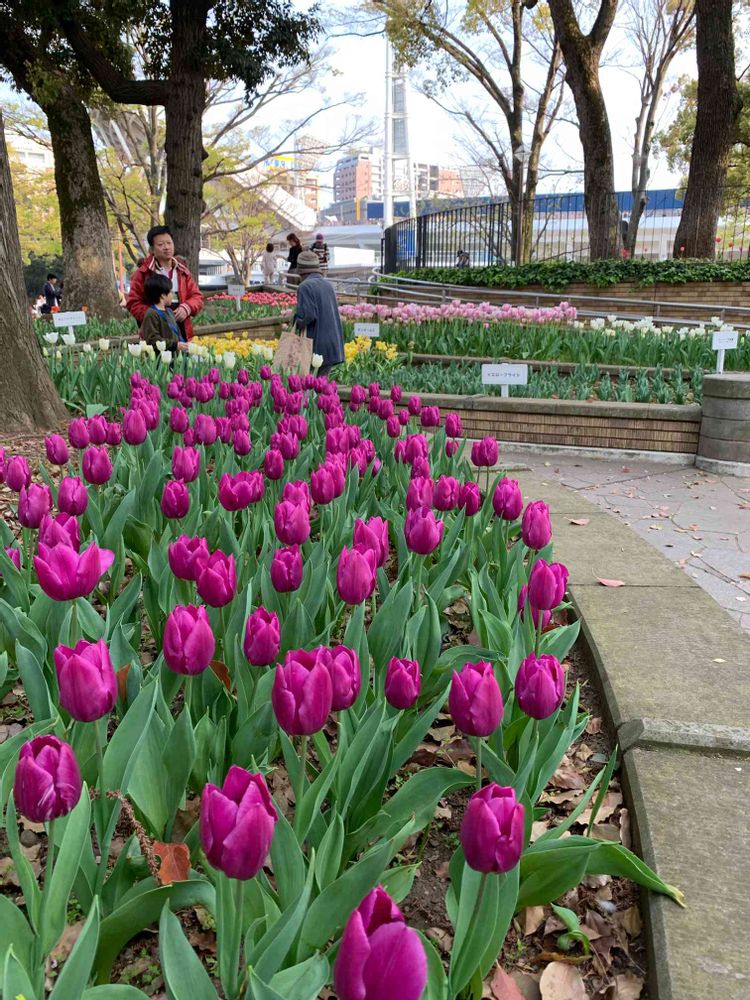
[358, 176]
[33, 155]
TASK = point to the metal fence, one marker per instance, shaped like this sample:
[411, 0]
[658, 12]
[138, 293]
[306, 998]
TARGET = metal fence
[481, 233]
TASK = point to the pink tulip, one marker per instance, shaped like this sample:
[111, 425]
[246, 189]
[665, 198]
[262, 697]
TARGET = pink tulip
[64, 574]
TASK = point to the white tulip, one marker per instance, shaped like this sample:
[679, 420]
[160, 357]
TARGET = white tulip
[166, 357]
[58, 355]
[135, 349]
[268, 353]
[87, 348]
[69, 339]
[317, 360]
[103, 344]
[52, 338]
[230, 359]
[161, 346]
[148, 350]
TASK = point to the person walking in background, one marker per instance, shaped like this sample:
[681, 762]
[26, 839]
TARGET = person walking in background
[187, 300]
[268, 264]
[52, 295]
[295, 249]
[320, 247]
[318, 312]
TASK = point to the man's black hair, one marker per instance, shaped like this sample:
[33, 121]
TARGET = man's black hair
[51, 277]
[155, 286]
[155, 231]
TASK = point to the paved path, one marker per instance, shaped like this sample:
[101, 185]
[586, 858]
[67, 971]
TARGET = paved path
[699, 521]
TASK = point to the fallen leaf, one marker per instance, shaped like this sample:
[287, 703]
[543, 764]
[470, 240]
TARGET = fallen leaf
[562, 982]
[442, 938]
[606, 831]
[580, 521]
[222, 672]
[531, 919]
[65, 945]
[625, 838]
[503, 987]
[610, 583]
[630, 921]
[175, 862]
[594, 725]
[122, 681]
[628, 986]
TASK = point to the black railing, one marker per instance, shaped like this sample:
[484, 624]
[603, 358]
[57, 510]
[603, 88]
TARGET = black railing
[483, 233]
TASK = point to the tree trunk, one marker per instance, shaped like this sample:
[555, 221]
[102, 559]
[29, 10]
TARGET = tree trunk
[28, 399]
[184, 137]
[87, 247]
[719, 106]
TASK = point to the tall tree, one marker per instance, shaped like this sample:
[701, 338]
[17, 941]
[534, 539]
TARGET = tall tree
[28, 399]
[186, 44]
[719, 109]
[582, 53]
[40, 67]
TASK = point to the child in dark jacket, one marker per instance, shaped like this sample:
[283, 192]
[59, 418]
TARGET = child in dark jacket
[159, 323]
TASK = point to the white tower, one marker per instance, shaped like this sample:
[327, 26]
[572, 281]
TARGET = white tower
[396, 146]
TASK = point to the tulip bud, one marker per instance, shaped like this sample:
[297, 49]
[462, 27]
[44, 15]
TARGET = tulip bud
[356, 574]
[273, 464]
[96, 466]
[205, 429]
[453, 428]
[380, 958]
[523, 603]
[346, 678]
[60, 530]
[34, 503]
[470, 498]
[402, 683]
[188, 643]
[423, 531]
[64, 574]
[404, 417]
[485, 452]
[445, 494]
[302, 693]
[134, 429]
[536, 529]
[241, 442]
[396, 393]
[47, 783]
[430, 416]
[373, 535]
[57, 449]
[72, 496]
[451, 447]
[97, 428]
[14, 555]
[507, 501]
[475, 701]
[322, 485]
[262, 638]
[114, 434]
[186, 463]
[292, 522]
[87, 681]
[547, 583]
[297, 492]
[17, 473]
[175, 500]
[492, 832]
[179, 421]
[540, 686]
[216, 582]
[414, 405]
[286, 569]
[237, 823]
[186, 556]
[78, 434]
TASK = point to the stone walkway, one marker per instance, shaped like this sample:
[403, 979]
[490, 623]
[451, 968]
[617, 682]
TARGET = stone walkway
[699, 521]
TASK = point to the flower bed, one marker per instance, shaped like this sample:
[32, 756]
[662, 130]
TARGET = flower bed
[246, 587]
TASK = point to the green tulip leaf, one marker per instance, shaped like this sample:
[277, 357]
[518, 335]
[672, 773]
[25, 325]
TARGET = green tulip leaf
[184, 974]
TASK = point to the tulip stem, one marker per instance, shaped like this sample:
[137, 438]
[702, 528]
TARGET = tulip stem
[539, 630]
[50, 862]
[300, 790]
[479, 762]
[100, 804]
[73, 623]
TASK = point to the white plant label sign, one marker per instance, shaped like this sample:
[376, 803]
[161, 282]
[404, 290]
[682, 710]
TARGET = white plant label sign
[367, 329]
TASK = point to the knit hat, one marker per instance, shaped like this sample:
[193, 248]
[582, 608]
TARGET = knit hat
[307, 262]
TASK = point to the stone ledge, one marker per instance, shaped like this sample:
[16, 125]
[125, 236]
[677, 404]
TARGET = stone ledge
[666, 733]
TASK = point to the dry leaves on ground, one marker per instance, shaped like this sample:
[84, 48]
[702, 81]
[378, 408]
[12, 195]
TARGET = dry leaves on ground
[562, 982]
[175, 862]
[610, 583]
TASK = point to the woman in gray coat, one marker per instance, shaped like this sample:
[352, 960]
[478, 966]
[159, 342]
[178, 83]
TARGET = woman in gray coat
[318, 312]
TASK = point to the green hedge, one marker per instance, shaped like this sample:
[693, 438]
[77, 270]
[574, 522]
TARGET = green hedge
[601, 274]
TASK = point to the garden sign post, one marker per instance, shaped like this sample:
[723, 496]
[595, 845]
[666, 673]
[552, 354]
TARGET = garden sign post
[236, 291]
[69, 320]
[367, 329]
[505, 375]
[725, 339]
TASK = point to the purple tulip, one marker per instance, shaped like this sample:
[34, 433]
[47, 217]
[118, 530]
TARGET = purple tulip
[445, 494]
[188, 643]
[96, 466]
[241, 442]
[356, 574]
[205, 429]
[186, 555]
[237, 823]
[451, 447]
[65, 574]
[72, 496]
[373, 534]
[87, 680]
[134, 429]
[536, 529]
[414, 405]
[179, 420]
[416, 446]
[507, 501]
[322, 484]
[297, 492]
[380, 958]
[475, 701]
[186, 463]
[273, 463]
[523, 603]
[402, 683]
[47, 783]
[396, 393]
[346, 678]
[237, 492]
[547, 583]
[470, 498]
[216, 582]
[393, 427]
[292, 522]
[34, 503]
[485, 452]
[223, 429]
[175, 500]
[423, 531]
[540, 686]
[57, 449]
[17, 473]
[430, 416]
[492, 831]
[60, 530]
[262, 638]
[97, 428]
[286, 569]
[78, 434]
[420, 493]
[114, 434]
[14, 555]
[453, 428]
[302, 693]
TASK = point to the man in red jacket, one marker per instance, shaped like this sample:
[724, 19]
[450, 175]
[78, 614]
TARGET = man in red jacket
[187, 299]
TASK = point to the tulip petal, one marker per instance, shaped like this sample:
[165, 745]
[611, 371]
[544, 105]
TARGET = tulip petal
[397, 965]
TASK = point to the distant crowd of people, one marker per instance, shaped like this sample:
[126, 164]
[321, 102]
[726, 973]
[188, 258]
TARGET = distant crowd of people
[270, 257]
